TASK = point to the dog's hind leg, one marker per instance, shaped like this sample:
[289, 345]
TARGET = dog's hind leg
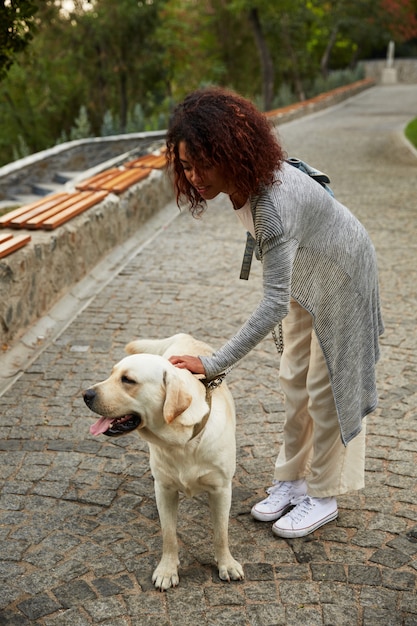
[220, 500]
[166, 574]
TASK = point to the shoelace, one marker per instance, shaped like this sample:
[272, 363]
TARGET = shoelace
[302, 507]
[278, 491]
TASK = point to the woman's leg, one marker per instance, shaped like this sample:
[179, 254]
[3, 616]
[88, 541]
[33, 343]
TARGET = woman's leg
[335, 468]
[312, 446]
[294, 458]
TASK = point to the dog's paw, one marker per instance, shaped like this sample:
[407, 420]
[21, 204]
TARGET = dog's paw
[165, 576]
[231, 570]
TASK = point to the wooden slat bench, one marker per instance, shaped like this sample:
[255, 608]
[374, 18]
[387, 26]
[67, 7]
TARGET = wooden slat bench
[154, 161]
[52, 211]
[14, 218]
[94, 183]
[11, 243]
[78, 203]
[5, 237]
[116, 181]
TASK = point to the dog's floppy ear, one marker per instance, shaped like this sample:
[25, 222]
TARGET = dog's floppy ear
[177, 398]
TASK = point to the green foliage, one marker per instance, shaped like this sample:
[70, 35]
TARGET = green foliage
[335, 79]
[411, 132]
[283, 97]
[110, 125]
[21, 149]
[191, 52]
[124, 58]
[82, 126]
[320, 84]
[136, 120]
[108, 67]
[16, 30]
[41, 96]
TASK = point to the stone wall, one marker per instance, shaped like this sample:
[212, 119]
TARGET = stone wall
[317, 103]
[406, 70]
[36, 276]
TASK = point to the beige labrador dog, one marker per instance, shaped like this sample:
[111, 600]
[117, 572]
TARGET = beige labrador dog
[191, 437]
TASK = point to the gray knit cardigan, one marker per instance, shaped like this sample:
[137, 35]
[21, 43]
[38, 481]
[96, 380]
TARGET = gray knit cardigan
[313, 249]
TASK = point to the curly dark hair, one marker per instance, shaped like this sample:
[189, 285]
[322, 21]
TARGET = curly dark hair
[222, 129]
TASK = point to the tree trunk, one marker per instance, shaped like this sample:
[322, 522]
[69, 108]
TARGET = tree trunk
[296, 79]
[324, 63]
[123, 100]
[354, 59]
[267, 66]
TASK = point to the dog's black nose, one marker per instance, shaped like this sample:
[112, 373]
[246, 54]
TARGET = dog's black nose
[89, 396]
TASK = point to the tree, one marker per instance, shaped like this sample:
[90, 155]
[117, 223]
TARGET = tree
[267, 65]
[255, 11]
[125, 63]
[354, 29]
[16, 30]
[341, 29]
[190, 51]
[102, 56]
[281, 30]
[42, 94]
[400, 17]
[115, 47]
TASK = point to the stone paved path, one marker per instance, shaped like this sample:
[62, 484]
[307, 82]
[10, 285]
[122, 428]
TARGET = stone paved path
[79, 527]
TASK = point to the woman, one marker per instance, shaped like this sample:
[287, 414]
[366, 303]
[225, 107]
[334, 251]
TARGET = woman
[319, 278]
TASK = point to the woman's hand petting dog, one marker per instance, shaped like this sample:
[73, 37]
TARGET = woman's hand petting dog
[187, 362]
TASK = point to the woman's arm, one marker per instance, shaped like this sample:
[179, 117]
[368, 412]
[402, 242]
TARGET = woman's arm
[277, 269]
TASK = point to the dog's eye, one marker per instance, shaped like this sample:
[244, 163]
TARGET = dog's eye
[128, 381]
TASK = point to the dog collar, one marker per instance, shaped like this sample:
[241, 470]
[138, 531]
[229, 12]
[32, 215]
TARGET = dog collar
[210, 386]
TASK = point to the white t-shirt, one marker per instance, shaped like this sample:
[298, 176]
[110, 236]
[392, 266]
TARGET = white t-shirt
[245, 216]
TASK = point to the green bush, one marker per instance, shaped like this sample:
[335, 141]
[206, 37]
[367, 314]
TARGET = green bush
[338, 78]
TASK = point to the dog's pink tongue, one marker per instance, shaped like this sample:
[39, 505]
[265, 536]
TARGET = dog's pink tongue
[100, 426]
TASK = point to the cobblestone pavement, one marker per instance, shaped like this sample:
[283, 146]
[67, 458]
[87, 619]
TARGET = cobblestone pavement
[80, 532]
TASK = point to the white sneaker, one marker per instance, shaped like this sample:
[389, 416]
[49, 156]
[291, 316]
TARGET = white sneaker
[307, 515]
[279, 500]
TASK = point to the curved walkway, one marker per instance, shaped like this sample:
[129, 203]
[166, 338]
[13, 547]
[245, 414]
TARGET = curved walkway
[80, 534]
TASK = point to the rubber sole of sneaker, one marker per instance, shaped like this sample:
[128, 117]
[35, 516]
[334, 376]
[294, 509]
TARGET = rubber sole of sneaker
[291, 533]
[269, 517]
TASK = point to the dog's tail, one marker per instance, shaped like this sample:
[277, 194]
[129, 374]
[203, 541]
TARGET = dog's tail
[154, 346]
[181, 343]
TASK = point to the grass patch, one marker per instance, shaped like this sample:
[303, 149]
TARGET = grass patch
[411, 132]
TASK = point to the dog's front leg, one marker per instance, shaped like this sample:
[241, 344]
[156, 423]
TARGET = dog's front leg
[220, 500]
[166, 574]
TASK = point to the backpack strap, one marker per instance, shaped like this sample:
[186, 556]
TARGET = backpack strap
[318, 176]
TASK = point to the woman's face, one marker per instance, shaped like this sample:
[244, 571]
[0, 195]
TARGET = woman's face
[208, 182]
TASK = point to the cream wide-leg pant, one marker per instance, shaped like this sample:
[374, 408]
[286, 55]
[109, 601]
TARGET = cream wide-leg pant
[312, 447]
